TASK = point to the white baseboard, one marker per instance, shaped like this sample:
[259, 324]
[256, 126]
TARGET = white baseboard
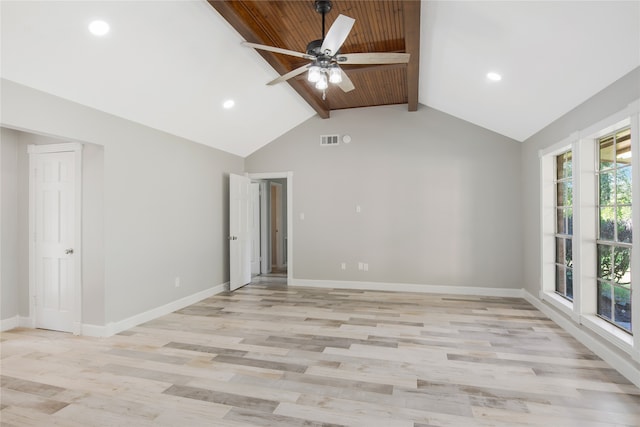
[606, 352]
[113, 328]
[410, 287]
[16, 322]
[9, 323]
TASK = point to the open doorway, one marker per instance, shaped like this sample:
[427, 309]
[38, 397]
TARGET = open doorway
[269, 217]
[271, 240]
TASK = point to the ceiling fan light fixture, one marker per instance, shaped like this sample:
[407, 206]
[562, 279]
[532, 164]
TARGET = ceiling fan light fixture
[322, 83]
[314, 74]
[335, 74]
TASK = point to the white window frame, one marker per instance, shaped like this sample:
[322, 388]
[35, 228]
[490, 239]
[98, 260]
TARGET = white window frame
[548, 225]
[584, 308]
[596, 143]
[557, 235]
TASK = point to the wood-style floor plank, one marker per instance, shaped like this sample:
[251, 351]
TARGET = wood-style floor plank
[268, 355]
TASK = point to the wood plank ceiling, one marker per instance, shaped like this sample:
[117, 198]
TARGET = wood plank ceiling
[381, 26]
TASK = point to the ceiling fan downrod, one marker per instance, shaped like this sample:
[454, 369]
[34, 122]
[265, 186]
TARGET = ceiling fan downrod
[323, 7]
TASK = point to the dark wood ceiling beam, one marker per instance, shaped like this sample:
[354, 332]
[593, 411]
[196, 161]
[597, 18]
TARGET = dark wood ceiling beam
[411, 12]
[235, 20]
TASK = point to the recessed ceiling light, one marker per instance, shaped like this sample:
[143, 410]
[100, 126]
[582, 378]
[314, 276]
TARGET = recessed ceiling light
[494, 77]
[98, 28]
[229, 103]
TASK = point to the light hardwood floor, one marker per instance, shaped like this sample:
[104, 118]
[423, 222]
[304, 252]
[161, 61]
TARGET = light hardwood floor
[268, 355]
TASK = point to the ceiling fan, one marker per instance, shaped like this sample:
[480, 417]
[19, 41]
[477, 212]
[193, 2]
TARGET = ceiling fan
[325, 55]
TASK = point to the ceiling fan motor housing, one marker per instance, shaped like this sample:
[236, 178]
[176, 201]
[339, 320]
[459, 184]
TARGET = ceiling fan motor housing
[313, 48]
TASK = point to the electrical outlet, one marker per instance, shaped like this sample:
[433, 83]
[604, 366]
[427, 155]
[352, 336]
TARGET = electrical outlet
[177, 281]
[343, 266]
[365, 266]
[360, 266]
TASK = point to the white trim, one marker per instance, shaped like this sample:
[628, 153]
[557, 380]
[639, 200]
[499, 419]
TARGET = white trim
[77, 327]
[560, 146]
[113, 328]
[610, 124]
[603, 127]
[609, 332]
[622, 364]
[410, 287]
[17, 321]
[289, 177]
[54, 148]
[558, 303]
[635, 215]
[2, 327]
[9, 323]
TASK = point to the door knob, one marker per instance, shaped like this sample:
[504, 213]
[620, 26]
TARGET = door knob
[68, 251]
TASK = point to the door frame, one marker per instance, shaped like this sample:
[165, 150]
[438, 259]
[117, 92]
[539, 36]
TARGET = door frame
[76, 148]
[289, 177]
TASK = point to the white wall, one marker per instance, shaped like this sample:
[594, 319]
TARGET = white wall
[439, 198]
[162, 210]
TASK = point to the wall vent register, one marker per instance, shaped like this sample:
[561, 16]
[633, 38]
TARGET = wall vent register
[329, 139]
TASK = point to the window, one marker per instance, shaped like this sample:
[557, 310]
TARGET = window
[614, 237]
[564, 225]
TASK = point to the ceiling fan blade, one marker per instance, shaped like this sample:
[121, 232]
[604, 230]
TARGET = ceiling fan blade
[346, 84]
[289, 75]
[278, 50]
[374, 58]
[337, 34]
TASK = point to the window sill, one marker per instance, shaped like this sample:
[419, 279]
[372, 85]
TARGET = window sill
[604, 329]
[593, 323]
[559, 303]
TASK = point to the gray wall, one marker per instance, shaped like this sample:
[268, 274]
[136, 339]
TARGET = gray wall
[439, 197]
[158, 209]
[9, 269]
[614, 98]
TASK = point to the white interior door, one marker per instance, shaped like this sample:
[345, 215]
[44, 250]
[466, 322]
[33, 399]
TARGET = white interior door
[239, 231]
[55, 234]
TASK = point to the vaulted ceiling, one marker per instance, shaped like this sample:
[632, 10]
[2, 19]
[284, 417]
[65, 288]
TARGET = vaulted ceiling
[383, 26]
[170, 64]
